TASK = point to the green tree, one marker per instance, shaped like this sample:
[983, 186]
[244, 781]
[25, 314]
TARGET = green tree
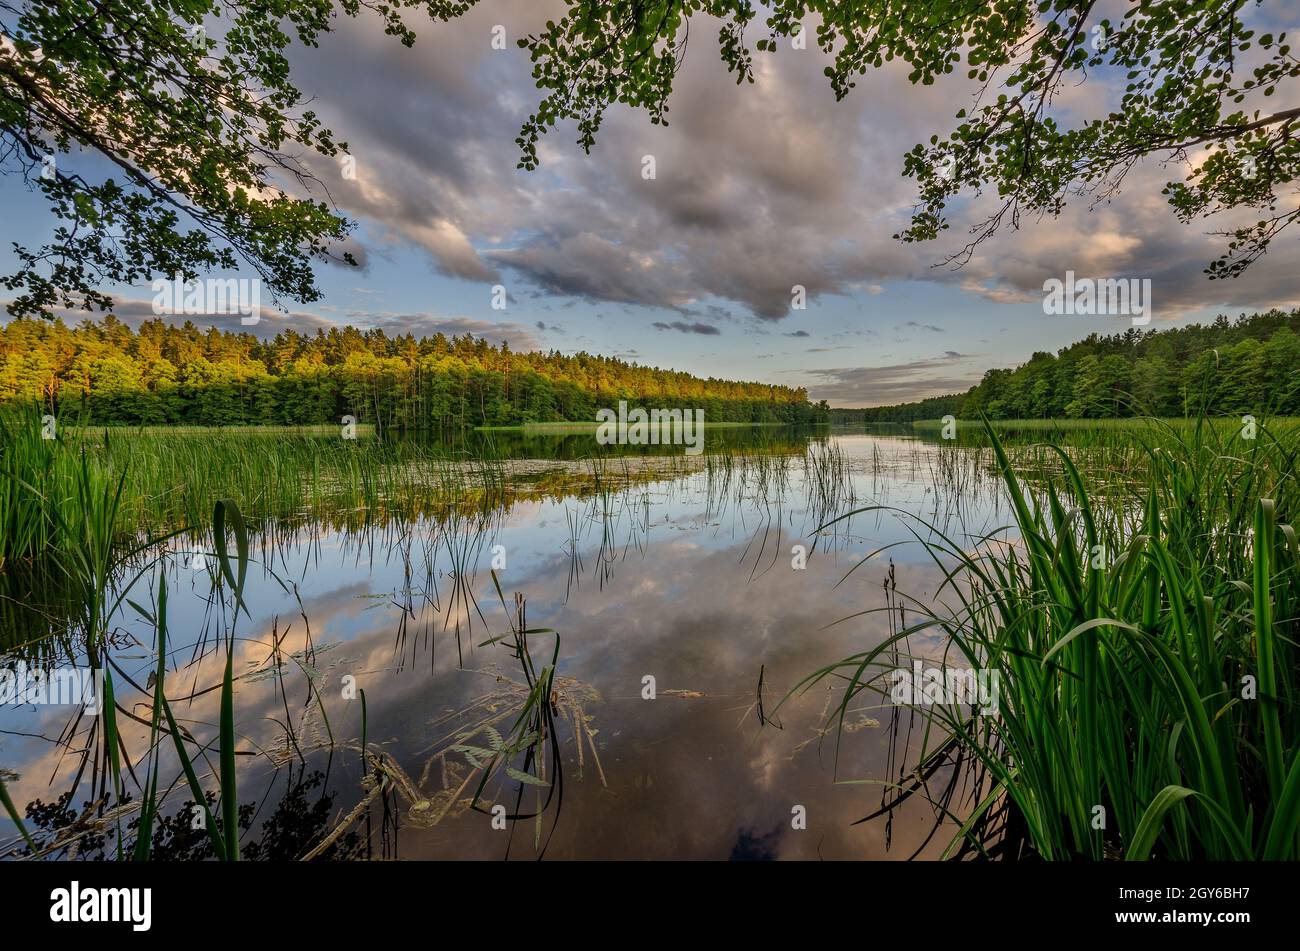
[1244, 376]
[1282, 362]
[1155, 387]
[115, 388]
[192, 106]
[1101, 385]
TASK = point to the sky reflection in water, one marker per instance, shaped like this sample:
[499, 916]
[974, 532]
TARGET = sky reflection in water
[689, 581]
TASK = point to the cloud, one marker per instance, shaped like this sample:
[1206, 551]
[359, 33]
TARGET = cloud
[706, 329]
[134, 312]
[757, 188]
[426, 325]
[1137, 236]
[897, 383]
[798, 333]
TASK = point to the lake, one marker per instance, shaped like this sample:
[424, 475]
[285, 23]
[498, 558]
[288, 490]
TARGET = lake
[678, 609]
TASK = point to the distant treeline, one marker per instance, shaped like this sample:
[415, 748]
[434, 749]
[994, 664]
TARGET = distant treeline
[933, 408]
[170, 373]
[1247, 365]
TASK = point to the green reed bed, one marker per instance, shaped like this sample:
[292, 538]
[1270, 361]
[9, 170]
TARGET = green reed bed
[1145, 650]
[175, 477]
[170, 477]
[1093, 433]
[29, 462]
[175, 758]
[165, 479]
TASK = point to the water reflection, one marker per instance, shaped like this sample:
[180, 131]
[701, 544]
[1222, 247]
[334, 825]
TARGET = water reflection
[296, 823]
[685, 583]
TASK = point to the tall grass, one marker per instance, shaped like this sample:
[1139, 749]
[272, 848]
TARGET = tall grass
[104, 745]
[89, 498]
[31, 465]
[166, 479]
[1145, 649]
[163, 480]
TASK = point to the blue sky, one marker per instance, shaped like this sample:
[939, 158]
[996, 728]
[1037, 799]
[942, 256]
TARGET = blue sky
[757, 188]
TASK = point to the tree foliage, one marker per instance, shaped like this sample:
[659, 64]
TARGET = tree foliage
[196, 132]
[179, 374]
[1193, 77]
[168, 137]
[1250, 365]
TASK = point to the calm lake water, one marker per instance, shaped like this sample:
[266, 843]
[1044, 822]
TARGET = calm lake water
[686, 579]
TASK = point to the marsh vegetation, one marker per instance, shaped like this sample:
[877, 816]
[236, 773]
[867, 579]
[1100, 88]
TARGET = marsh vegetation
[322, 648]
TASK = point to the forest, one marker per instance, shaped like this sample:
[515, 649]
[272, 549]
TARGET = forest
[168, 373]
[1247, 365]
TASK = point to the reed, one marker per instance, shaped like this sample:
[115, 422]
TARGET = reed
[1144, 648]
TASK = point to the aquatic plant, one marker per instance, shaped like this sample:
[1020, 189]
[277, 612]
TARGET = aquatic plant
[1145, 656]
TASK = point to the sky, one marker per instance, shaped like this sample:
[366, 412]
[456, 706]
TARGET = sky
[757, 188]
